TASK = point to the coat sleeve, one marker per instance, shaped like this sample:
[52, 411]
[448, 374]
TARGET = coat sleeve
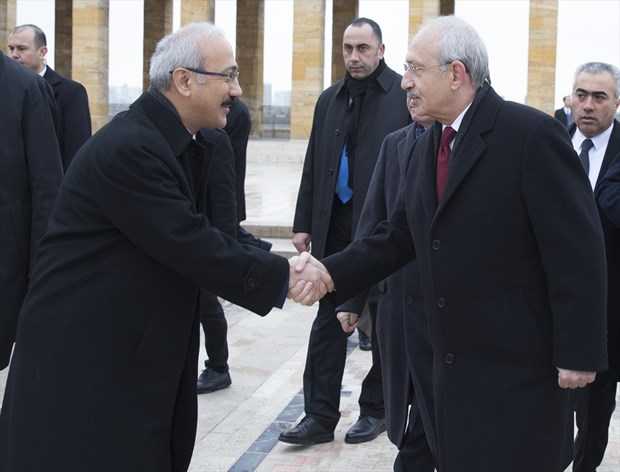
[608, 192]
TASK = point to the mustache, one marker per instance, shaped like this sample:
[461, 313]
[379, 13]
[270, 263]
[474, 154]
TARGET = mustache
[411, 94]
[229, 102]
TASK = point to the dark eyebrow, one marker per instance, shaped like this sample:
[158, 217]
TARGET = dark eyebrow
[596, 92]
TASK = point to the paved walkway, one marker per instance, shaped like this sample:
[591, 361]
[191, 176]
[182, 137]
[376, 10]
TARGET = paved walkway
[238, 427]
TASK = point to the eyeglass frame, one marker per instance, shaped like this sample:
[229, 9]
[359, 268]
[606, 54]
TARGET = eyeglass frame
[415, 70]
[230, 75]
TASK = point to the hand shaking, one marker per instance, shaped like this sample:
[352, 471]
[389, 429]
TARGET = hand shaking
[309, 280]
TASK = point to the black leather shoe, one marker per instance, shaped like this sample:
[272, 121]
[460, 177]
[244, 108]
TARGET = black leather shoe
[366, 429]
[211, 380]
[307, 432]
[364, 341]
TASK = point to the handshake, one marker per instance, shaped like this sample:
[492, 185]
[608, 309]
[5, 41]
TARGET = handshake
[309, 280]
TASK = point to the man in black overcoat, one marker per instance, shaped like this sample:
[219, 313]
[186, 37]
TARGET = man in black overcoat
[111, 311]
[30, 174]
[596, 97]
[351, 118]
[511, 257]
[28, 45]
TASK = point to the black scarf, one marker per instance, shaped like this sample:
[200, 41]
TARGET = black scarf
[356, 90]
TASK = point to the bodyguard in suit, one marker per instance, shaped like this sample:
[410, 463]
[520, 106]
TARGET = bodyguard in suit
[351, 119]
[402, 325]
[511, 257]
[596, 137]
[28, 45]
[103, 376]
[30, 174]
[565, 114]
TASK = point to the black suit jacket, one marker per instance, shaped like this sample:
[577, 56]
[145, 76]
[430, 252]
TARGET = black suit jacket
[560, 115]
[384, 111]
[512, 263]
[73, 126]
[113, 305]
[30, 174]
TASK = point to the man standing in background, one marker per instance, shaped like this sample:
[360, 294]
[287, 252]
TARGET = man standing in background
[28, 45]
[565, 114]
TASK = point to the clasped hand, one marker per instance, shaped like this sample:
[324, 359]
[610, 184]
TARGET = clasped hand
[309, 280]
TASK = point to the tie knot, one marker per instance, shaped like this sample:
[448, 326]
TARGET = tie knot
[586, 145]
[447, 136]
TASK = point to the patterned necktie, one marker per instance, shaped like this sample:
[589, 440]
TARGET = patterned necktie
[584, 156]
[443, 159]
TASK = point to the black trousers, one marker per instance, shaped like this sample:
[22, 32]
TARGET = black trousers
[415, 454]
[595, 404]
[215, 329]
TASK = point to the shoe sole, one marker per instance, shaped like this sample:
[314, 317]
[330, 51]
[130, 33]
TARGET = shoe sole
[201, 391]
[362, 440]
[315, 440]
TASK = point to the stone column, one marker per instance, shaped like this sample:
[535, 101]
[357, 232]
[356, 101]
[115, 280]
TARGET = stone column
[63, 35]
[344, 11]
[90, 55]
[197, 11]
[249, 55]
[157, 24]
[419, 12]
[308, 64]
[8, 17]
[542, 54]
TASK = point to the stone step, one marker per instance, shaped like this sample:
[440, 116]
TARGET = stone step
[269, 231]
[283, 247]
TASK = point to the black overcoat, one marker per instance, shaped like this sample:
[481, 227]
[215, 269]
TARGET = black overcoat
[512, 264]
[384, 111]
[103, 376]
[30, 174]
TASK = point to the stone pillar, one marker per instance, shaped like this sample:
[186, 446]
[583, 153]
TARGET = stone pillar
[249, 55]
[63, 35]
[8, 17]
[542, 54]
[344, 11]
[193, 11]
[157, 24]
[90, 55]
[308, 64]
[420, 11]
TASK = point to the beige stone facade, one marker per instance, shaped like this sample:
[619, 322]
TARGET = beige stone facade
[542, 54]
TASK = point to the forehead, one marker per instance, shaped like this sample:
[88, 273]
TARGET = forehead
[602, 82]
[359, 35]
[25, 36]
[219, 53]
[424, 46]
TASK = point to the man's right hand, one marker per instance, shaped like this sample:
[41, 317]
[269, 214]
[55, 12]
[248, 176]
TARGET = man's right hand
[348, 321]
[301, 241]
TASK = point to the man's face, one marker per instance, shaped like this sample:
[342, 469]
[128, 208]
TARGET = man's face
[429, 92]
[211, 100]
[594, 102]
[567, 102]
[425, 121]
[361, 52]
[23, 50]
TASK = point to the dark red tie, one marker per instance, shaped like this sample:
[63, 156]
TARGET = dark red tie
[443, 159]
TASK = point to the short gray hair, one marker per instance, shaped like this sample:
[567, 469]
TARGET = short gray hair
[458, 40]
[599, 68]
[181, 49]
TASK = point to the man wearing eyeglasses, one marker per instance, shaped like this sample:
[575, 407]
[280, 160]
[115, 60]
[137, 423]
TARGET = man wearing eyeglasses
[103, 375]
[596, 138]
[351, 119]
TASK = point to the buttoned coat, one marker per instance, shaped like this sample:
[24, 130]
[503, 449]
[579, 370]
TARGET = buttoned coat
[384, 111]
[402, 324]
[103, 376]
[30, 174]
[73, 125]
[512, 264]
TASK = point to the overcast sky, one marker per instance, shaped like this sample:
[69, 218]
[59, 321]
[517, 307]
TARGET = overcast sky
[588, 30]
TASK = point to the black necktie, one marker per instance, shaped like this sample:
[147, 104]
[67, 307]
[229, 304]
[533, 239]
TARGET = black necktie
[584, 156]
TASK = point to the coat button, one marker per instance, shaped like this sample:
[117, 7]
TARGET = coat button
[409, 300]
[324, 211]
[436, 244]
[441, 302]
[251, 283]
[336, 132]
[330, 172]
[449, 358]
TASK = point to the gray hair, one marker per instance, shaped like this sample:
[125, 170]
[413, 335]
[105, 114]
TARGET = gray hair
[459, 41]
[599, 68]
[181, 49]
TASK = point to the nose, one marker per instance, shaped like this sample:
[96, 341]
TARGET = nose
[14, 54]
[589, 103]
[235, 89]
[407, 81]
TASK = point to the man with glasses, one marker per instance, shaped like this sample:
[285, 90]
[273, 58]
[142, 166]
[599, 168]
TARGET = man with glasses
[351, 119]
[103, 375]
[596, 138]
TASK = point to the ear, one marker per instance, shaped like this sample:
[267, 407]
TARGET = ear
[182, 81]
[381, 51]
[458, 72]
[42, 52]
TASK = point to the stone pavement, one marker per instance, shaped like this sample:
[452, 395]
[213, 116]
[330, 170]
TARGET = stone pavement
[238, 427]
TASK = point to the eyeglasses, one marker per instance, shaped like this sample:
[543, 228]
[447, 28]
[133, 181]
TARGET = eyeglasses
[230, 76]
[416, 70]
